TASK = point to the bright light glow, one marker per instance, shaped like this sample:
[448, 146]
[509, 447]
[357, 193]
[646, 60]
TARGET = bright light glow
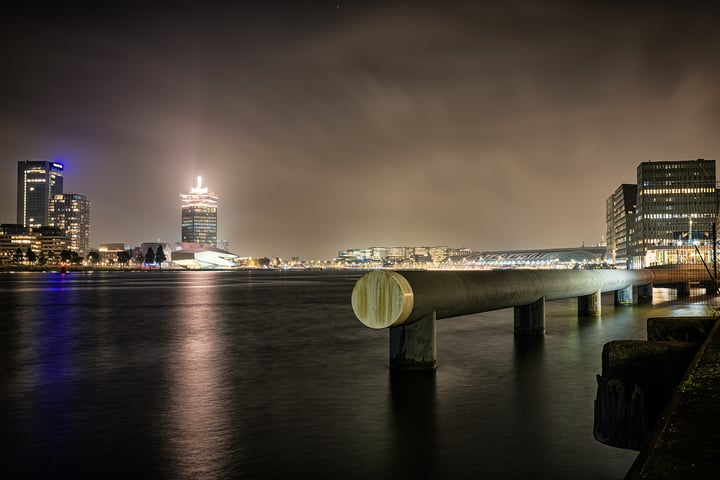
[199, 188]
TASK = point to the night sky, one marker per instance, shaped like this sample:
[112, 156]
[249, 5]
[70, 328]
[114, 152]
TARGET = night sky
[329, 125]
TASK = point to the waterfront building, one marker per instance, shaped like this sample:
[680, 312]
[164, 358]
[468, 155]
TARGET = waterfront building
[199, 215]
[37, 183]
[677, 211]
[71, 213]
[52, 242]
[397, 253]
[195, 255]
[356, 257]
[399, 257]
[439, 254]
[379, 253]
[558, 258]
[460, 252]
[109, 252]
[46, 242]
[620, 210]
[14, 237]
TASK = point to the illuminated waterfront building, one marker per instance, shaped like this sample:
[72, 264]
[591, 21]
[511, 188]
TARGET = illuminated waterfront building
[108, 252]
[620, 210]
[52, 242]
[43, 241]
[37, 183]
[401, 257]
[677, 210]
[199, 215]
[195, 255]
[558, 258]
[439, 254]
[71, 213]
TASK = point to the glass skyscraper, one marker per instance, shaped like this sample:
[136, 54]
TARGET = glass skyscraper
[199, 215]
[37, 183]
[71, 213]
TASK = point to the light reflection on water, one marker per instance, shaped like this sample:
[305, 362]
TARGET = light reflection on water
[198, 424]
[223, 375]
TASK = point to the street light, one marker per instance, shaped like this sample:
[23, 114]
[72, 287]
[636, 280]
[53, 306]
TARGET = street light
[690, 234]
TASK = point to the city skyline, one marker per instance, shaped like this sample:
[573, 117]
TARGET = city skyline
[337, 124]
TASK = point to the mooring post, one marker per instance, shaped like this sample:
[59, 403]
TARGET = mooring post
[530, 319]
[624, 296]
[413, 346]
[590, 305]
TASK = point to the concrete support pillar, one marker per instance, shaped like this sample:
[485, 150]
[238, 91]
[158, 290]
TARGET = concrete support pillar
[624, 296]
[590, 305]
[413, 346]
[645, 293]
[530, 319]
[683, 290]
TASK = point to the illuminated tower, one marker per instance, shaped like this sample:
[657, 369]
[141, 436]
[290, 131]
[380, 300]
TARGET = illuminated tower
[71, 213]
[37, 183]
[199, 215]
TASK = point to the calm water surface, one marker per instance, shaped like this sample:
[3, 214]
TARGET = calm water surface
[194, 375]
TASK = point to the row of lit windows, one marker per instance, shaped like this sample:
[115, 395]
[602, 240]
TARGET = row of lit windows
[708, 215]
[684, 202]
[671, 165]
[212, 217]
[666, 191]
[673, 216]
[201, 227]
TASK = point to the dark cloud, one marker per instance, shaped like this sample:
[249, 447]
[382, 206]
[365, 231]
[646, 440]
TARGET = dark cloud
[483, 124]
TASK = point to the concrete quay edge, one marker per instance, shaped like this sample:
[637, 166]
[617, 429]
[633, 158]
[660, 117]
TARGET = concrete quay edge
[685, 442]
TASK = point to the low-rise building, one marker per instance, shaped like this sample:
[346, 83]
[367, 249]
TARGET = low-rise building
[46, 243]
[108, 252]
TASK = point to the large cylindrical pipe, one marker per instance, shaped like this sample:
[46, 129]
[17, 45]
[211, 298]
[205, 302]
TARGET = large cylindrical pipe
[384, 298]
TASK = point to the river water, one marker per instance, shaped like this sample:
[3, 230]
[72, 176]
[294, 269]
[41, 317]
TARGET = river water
[194, 375]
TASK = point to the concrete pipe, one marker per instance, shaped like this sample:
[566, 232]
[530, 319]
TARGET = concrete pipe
[384, 298]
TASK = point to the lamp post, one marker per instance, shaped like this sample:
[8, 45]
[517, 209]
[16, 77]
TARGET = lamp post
[690, 233]
[690, 241]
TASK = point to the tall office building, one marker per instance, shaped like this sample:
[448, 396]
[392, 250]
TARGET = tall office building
[71, 213]
[37, 183]
[199, 215]
[677, 208]
[620, 210]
